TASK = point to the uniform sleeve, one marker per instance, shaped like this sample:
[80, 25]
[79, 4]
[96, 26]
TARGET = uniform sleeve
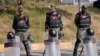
[61, 24]
[27, 21]
[28, 24]
[90, 19]
[76, 19]
[46, 21]
[14, 22]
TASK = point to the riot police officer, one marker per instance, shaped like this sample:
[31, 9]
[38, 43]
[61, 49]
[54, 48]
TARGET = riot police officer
[82, 22]
[53, 20]
[21, 26]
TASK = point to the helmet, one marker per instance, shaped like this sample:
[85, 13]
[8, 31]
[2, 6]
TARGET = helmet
[52, 7]
[52, 33]
[20, 8]
[84, 7]
[90, 31]
[10, 35]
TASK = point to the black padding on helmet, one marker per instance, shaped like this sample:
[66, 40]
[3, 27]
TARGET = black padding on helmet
[52, 33]
[10, 35]
[90, 31]
[84, 7]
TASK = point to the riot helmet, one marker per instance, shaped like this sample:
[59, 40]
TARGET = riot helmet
[90, 31]
[10, 35]
[52, 33]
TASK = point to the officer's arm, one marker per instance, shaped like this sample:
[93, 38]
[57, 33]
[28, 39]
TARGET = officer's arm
[61, 24]
[90, 19]
[28, 22]
[14, 22]
[46, 22]
[76, 19]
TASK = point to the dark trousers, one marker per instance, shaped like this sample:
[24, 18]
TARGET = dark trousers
[24, 38]
[79, 37]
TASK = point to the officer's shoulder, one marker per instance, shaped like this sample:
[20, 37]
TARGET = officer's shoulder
[88, 13]
[48, 13]
[59, 14]
[78, 13]
[15, 16]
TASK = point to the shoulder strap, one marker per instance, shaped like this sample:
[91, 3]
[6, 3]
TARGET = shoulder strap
[26, 17]
[17, 17]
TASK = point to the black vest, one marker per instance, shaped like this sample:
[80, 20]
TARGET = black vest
[54, 21]
[83, 20]
[21, 23]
